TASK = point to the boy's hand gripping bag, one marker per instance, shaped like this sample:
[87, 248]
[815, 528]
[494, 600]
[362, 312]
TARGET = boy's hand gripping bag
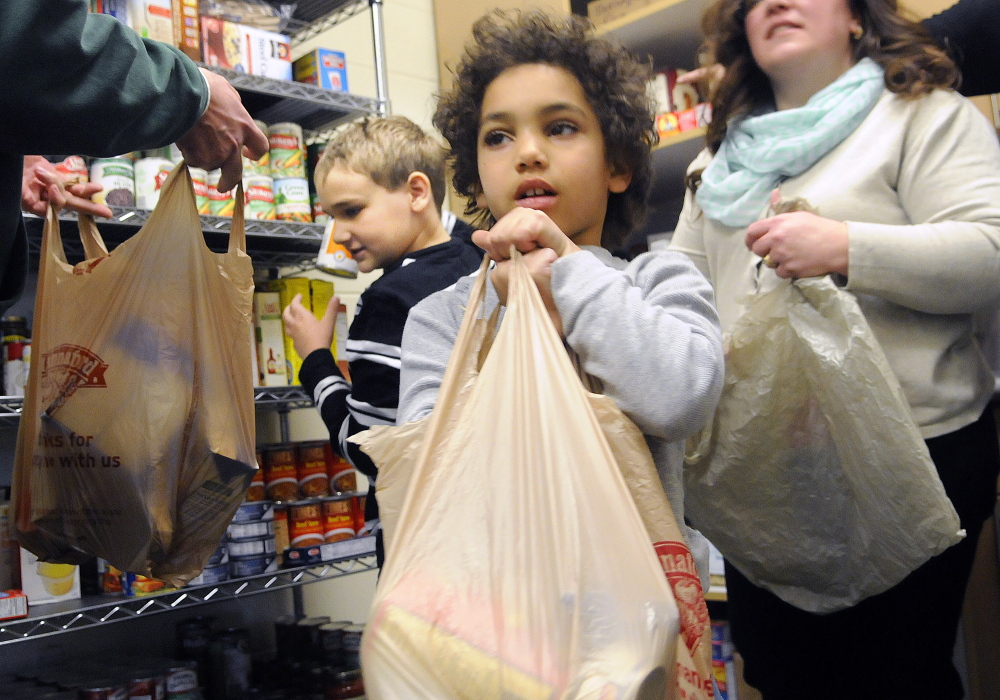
[520, 567]
[813, 479]
[136, 442]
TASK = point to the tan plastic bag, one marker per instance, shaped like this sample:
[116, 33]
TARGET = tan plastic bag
[395, 450]
[813, 479]
[136, 442]
[520, 567]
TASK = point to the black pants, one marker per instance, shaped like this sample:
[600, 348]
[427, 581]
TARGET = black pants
[898, 644]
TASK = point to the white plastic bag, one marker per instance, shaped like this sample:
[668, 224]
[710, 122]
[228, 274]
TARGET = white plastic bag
[520, 567]
[813, 479]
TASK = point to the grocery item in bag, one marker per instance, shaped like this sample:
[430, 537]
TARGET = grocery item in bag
[136, 442]
[813, 479]
[511, 574]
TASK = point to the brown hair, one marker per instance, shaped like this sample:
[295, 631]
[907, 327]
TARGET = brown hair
[613, 80]
[913, 63]
[387, 150]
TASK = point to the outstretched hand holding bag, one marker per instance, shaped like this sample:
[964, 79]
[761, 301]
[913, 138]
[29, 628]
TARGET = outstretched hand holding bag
[519, 566]
[813, 479]
[136, 442]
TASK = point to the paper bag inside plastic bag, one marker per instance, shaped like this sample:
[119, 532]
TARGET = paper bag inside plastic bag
[136, 442]
[519, 566]
[813, 479]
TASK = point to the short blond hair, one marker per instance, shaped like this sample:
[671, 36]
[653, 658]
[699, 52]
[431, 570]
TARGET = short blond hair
[387, 150]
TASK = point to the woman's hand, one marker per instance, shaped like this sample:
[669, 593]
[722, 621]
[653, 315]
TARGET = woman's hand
[41, 185]
[800, 244]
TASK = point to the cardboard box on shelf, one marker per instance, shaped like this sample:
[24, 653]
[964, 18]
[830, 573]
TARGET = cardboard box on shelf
[44, 582]
[8, 549]
[187, 31]
[269, 331]
[269, 54]
[152, 19]
[223, 44]
[605, 11]
[323, 67]
[287, 288]
[13, 604]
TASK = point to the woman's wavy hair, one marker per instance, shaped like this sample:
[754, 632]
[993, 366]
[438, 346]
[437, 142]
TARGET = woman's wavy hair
[913, 63]
[613, 80]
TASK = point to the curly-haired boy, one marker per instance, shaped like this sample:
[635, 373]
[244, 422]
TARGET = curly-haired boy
[550, 130]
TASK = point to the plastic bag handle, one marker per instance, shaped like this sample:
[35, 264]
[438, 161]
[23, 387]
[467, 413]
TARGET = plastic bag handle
[90, 236]
[237, 229]
[51, 238]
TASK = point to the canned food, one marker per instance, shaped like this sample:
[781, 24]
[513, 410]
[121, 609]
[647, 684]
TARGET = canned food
[116, 176]
[313, 481]
[331, 641]
[287, 151]
[252, 566]
[291, 199]
[104, 689]
[219, 203]
[256, 491]
[150, 174]
[256, 547]
[343, 477]
[307, 636]
[255, 510]
[250, 530]
[258, 193]
[230, 664]
[305, 523]
[352, 646]
[193, 636]
[359, 514]
[182, 681]
[72, 170]
[282, 537]
[343, 685]
[319, 216]
[281, 473]
[199, 179]
[338, 519]
[333, 257]
[146, 686]
[211, 575]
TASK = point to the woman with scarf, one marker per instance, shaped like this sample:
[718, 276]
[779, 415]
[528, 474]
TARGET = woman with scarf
[847, 107]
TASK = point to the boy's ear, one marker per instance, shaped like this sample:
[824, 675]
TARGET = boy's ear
[619, 181]
[418, 186]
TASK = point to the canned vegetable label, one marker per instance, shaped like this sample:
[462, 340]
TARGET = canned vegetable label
[287, 151]
[291, 200]
[116, 176]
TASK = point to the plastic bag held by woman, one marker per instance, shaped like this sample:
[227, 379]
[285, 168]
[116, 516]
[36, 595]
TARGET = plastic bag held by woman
[136, 442]
[520, 567]
[811, 406]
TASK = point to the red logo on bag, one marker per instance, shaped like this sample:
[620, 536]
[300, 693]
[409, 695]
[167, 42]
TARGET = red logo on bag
[678, 565]
[68, 368]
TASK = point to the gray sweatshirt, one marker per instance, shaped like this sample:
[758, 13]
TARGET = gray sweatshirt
[647, 330]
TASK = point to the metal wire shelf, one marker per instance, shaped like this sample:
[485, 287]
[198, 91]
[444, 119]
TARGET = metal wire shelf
[90, 611]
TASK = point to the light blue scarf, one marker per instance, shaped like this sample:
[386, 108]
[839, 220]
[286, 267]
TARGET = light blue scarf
[760, 152]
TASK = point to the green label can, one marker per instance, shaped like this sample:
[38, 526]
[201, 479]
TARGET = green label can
[291, 199]
[116, 176]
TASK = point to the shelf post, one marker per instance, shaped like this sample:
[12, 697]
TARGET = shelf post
[283, 427]
[381, 73]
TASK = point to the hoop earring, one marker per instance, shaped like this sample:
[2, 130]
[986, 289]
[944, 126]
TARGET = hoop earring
[857, 33]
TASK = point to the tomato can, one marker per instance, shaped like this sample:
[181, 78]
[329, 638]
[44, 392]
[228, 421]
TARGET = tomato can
[258, 194]
[305, 523]
[287, 151]
[281, 473]
[219, 203]
[313, 481]
[72, 170]
[338, 519]
[150, 174]
[343, 477]
[199, 178]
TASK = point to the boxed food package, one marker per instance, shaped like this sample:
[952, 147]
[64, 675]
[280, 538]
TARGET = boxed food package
[152, 19]
[8, 550]
[321, 291]
[44, 582]
[322, 67]
[287, 288]
[605, 11]
[269, 54]
[269, 332]
[187, 34]
[13, 604]
[223, 45]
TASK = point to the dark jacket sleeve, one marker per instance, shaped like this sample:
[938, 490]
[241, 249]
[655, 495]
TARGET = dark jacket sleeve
[81, 83]
[970, 31]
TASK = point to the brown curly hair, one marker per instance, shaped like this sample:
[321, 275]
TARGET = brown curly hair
[913, 63]
[613, 80]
